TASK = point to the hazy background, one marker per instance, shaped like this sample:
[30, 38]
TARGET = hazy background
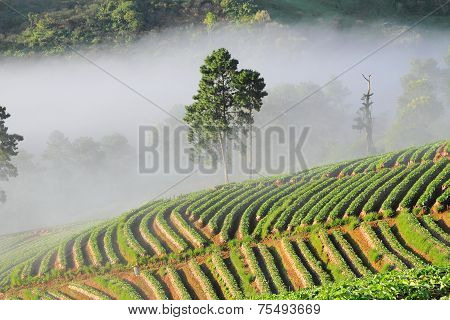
[71, 95]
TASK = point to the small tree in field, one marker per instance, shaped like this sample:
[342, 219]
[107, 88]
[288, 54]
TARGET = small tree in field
[364, 120]
[224, 104]
[8, 149]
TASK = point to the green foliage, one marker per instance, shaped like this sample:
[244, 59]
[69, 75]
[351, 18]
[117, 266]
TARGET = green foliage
[357, 205]
[8, 149]
[415, 284]
[397, 246]
[433, 189]
[89, 291]
[431, 224]
[374, 255]
[274, 273]
[336, 263]
[260, 279]
[419, 107]
[421, 184]
[223, 106]
[128, 253]
[421, 240]
[181, 290]
[160, 221]
[155, 285]
[149, 236]
[245, 278]
[203, 280]
[296, 263]
[346, 247]
[111, 254]
[380, 248]
[121, 289]
[230, 284]
[391, 202]
[210, 20]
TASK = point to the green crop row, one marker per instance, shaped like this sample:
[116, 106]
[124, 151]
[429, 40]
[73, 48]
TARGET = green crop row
[420, 185]
[433, 226]
[375, 201]
[250, 212]
[380, 247]
[108, 244]
[132, 242]
[280, 207]
[77, 251]
[416, 157]
[97, 256]
[45, 262]
[59, 295]
[364, 164]
[421, 239]
[269, 203]
[88, 291]
[147, 235]
[269, 262]
[155, 285]
[121, 289]
[443, 201]
[350, 169]
[227, 206]
[315, 264]
[336, 169]
[219, 205]
[406, 155]
[430, 283]
[388, 161]
[394, 198]
[189, 232]
[337, 261]
[396, 245]
[298, 267]
[337, 195]
[431, 151]
[253, 264]
[201, 201]
[339, 209]
[224, 192]
[27, 269]
[428, 197]
[355, 207]
[165, 229]
[289, 214]
[309, 210]
[225, 276]
[351, 254]
[203, 280]
[231, 219]
[180, 289]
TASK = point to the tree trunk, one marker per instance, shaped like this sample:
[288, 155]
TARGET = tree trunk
[251, 152]
[224, 157]
[370, 145]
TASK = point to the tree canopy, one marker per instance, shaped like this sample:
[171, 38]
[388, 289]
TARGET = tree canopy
[223, 106]
[8, 149]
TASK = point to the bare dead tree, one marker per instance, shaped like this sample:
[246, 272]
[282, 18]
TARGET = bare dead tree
[364, 120]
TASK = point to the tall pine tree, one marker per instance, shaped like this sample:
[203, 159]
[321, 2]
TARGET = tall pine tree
[223, 106]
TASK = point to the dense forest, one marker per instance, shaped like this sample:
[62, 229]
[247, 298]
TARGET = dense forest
[51, 26]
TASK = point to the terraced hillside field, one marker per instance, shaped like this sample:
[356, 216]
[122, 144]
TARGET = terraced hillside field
[276, 235]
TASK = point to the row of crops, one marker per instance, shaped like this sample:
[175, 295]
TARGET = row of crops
[277, 266]
[369, 189]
